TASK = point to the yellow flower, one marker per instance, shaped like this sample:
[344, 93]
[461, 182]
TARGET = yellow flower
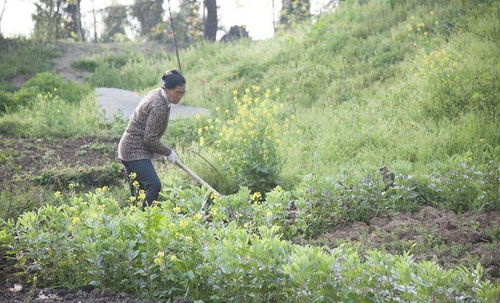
[256, 196]
[481, 140]
[189, 239]
[161, 254]
[135, 183]
[57, 194]
[171, 225]
[157, 261]
[72, 185]
[132, 176]
[198, 217]
[269, 214]
[177, 209]
[200, 131]
[202, 141]
[142, 195]
[278, 188]
[184, 223]
[75, 220]
[235, 92]
[132, 199]
[173, 258]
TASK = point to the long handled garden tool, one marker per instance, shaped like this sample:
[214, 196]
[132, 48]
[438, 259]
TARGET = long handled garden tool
[197, 178]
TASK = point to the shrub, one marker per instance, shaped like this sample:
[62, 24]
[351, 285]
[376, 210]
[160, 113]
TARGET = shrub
[247, 141]
[53, 84]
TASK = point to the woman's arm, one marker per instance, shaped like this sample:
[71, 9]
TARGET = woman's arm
[155, 127]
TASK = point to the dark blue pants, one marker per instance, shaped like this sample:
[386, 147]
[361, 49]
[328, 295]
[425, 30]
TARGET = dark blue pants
[147, 178]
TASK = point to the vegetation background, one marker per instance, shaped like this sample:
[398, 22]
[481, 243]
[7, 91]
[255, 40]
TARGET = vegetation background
[375, 109]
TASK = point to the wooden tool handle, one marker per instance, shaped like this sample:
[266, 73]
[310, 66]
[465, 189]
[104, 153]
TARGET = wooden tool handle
[195, 176]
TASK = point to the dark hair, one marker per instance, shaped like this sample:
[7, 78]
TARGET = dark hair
[172, 79]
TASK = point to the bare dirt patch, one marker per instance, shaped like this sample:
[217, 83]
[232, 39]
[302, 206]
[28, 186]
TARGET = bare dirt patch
[429, 234]
[21, 157]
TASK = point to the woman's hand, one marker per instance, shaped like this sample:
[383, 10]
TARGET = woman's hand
[172, 157]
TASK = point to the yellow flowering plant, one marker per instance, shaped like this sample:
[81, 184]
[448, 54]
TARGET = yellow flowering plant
[246, 140]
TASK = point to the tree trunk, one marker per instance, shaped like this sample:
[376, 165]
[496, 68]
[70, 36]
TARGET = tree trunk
[210, 23]
[95, 23]
[74, 12]
[1, 15]
[78, 21]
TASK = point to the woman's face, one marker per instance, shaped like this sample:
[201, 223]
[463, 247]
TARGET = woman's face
[175, 94]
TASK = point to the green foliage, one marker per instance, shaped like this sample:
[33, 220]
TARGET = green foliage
[465, 189]
[115, 22]
[248, 140]
[6, 101]
[54, 117]
[53, 84]
[137, 73]
[19, 56]
[163, 253]
[461, 81]
[16, 200]
[324, 203]
[149, 14]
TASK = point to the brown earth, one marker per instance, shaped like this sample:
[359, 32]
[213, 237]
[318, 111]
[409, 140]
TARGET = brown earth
[430, 234]
[22, 157]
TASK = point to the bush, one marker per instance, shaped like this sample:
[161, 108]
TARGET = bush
[53, 84]
[247, 142]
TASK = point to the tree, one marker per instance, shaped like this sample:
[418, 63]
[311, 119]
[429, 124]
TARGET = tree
[294, 11]
[115, 22]
[188, 23]
[47, 17]
[210, 22]
[73, 22]
[58, 19]
[1, 14]
[149, 13]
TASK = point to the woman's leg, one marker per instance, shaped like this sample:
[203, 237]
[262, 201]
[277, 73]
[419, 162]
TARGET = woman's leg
[147, 178]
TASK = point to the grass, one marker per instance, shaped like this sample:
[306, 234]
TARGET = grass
[365, 84]
[19, 56]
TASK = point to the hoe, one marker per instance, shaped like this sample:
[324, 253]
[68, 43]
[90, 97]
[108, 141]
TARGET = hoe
[199, 180]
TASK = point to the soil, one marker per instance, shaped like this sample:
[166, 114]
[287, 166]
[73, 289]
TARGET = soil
[21, 157]
[430, 234]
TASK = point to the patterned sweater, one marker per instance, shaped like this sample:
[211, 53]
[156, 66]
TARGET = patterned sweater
[147, 124]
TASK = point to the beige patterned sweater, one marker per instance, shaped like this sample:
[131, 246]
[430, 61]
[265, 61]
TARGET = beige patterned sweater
[147, 124]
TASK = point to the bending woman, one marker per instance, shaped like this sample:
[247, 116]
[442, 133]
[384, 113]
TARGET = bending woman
[146, 126]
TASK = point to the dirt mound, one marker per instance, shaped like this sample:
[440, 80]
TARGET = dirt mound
[429, 234]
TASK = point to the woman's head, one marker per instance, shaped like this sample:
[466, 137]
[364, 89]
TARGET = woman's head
[174, 85]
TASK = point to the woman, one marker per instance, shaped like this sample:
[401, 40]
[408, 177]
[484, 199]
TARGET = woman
[141, 139]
